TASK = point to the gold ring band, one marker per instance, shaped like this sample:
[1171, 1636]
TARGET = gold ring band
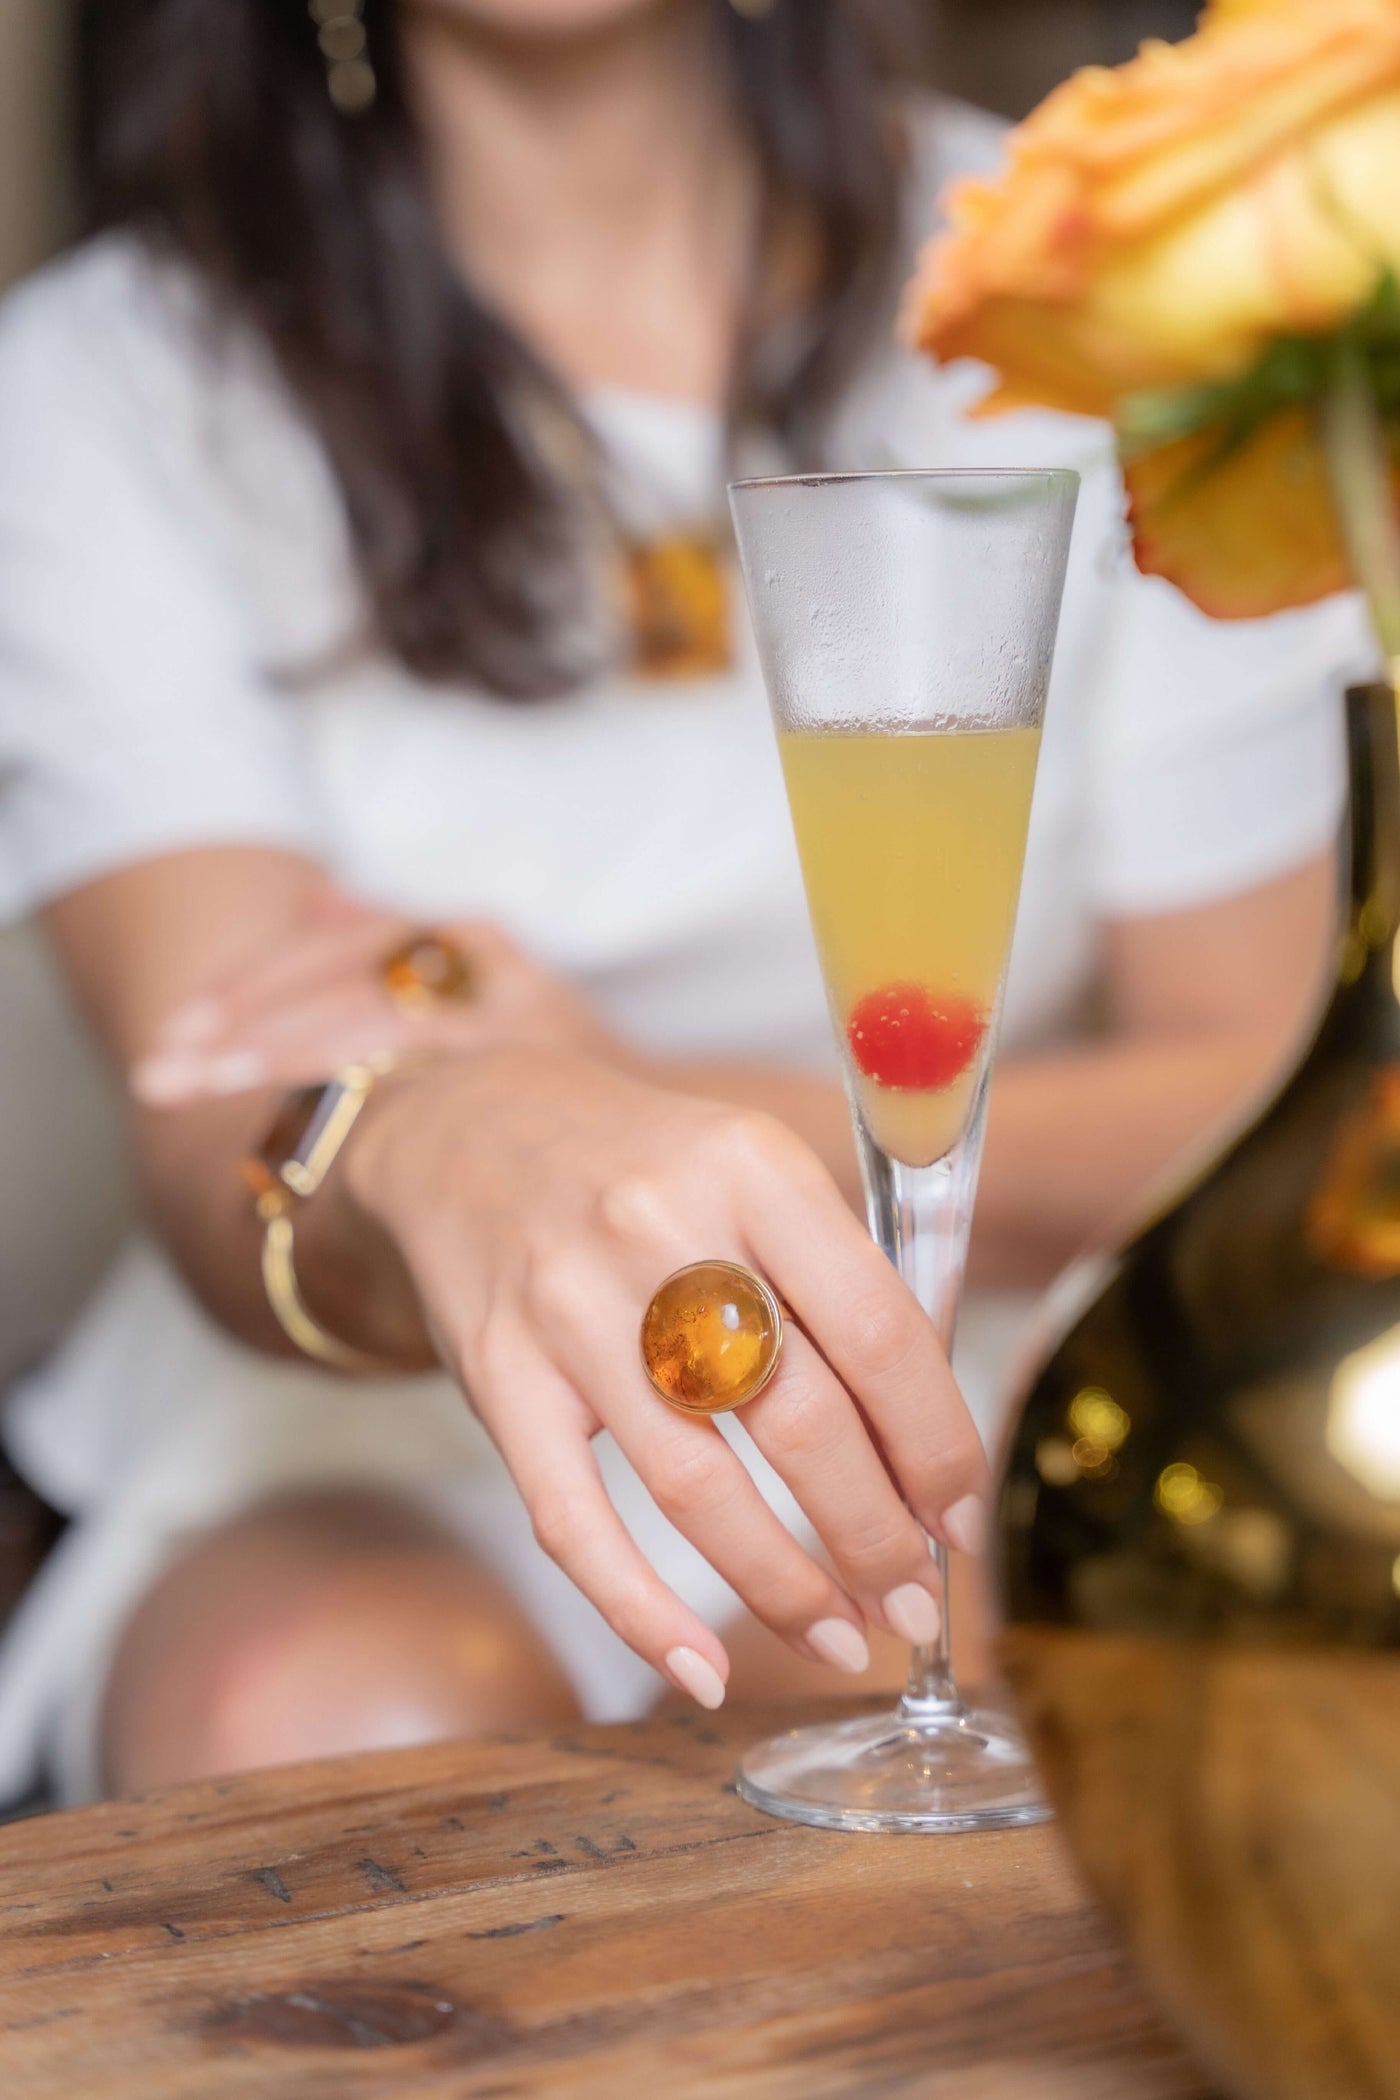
[712, 1337]
[428, 966]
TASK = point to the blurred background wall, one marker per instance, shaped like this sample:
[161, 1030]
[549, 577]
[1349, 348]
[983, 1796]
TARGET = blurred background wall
[1006, 54]
[33, 131]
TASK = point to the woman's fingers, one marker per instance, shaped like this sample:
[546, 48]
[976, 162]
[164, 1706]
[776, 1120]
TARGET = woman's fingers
[318, 1003]
[703, 1487]
[807, 1428]
[323, 949]
[875, 1336]
[296, 1046]
[535, 1420]
[297, 1039]
[337, 941]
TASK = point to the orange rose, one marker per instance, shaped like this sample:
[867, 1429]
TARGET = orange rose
[1158, 228]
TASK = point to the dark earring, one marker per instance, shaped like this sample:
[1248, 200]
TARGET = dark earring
[344, 46]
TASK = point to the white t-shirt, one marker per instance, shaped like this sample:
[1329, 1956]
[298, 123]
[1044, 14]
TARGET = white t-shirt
[176, 590]
[175, 574]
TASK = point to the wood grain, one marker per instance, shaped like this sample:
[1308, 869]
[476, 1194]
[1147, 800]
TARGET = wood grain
[594, 1915]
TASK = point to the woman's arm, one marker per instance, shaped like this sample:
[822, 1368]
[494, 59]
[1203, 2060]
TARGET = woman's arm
[1203, 1010]
[1200, 1008]
[139, 944]
[508, 1209]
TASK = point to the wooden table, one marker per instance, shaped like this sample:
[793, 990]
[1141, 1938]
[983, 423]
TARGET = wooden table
[594, 1915]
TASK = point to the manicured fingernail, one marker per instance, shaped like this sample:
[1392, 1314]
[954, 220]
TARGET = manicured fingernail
[914, 1614]
[691, 1673]
[193, 1025]
[237, 1073]
[161, 1080]
[966, 1524]
[839, 1643]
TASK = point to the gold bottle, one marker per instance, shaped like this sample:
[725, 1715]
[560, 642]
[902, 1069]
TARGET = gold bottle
[1201, 1549]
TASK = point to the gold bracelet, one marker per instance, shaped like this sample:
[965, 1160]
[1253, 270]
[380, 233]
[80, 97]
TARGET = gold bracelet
[301, 1146]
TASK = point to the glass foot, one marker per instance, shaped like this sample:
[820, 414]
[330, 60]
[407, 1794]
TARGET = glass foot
[959, 1768]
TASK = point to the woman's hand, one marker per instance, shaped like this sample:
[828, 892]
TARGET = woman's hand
[536, 1187]
[537, 1200]
[318, 1001]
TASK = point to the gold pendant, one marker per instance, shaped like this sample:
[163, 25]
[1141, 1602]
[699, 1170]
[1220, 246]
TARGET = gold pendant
[676, 604]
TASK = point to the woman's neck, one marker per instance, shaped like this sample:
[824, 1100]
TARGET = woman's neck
[598, 191]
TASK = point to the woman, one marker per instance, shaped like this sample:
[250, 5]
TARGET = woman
[325, 468]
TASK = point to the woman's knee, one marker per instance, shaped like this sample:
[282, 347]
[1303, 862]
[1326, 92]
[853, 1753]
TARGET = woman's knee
[313, 1628]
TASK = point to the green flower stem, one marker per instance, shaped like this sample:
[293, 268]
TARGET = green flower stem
[1358, 461]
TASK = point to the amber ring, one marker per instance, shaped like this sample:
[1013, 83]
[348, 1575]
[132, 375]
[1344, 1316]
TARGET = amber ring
[426, 968]
[712, 1337]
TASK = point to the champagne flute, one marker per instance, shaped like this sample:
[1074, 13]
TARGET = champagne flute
[906, 626]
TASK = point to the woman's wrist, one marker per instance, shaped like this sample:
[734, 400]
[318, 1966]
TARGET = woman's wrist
[415, 1117]
[351, 1268]
[421, 1144]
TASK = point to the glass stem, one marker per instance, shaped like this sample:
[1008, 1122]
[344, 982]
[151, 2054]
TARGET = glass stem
[921, 1217]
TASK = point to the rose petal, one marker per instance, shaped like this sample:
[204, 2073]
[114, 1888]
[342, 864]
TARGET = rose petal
[1254, 535]
[1159, 223]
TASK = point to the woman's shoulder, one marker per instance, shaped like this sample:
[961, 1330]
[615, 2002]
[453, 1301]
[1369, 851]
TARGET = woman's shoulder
[97, 302]
[114, 337]
[104, 364]
[129, 390]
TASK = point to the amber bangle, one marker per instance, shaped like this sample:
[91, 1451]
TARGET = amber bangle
[302, 1145]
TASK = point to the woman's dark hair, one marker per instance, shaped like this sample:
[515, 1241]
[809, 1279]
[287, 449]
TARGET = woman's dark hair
[208, 127]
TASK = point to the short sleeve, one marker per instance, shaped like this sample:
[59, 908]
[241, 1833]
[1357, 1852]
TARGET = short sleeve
[1216, 750]
[135, 718]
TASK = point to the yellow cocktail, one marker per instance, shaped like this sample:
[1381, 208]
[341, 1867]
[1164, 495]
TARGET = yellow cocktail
[911, 847]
